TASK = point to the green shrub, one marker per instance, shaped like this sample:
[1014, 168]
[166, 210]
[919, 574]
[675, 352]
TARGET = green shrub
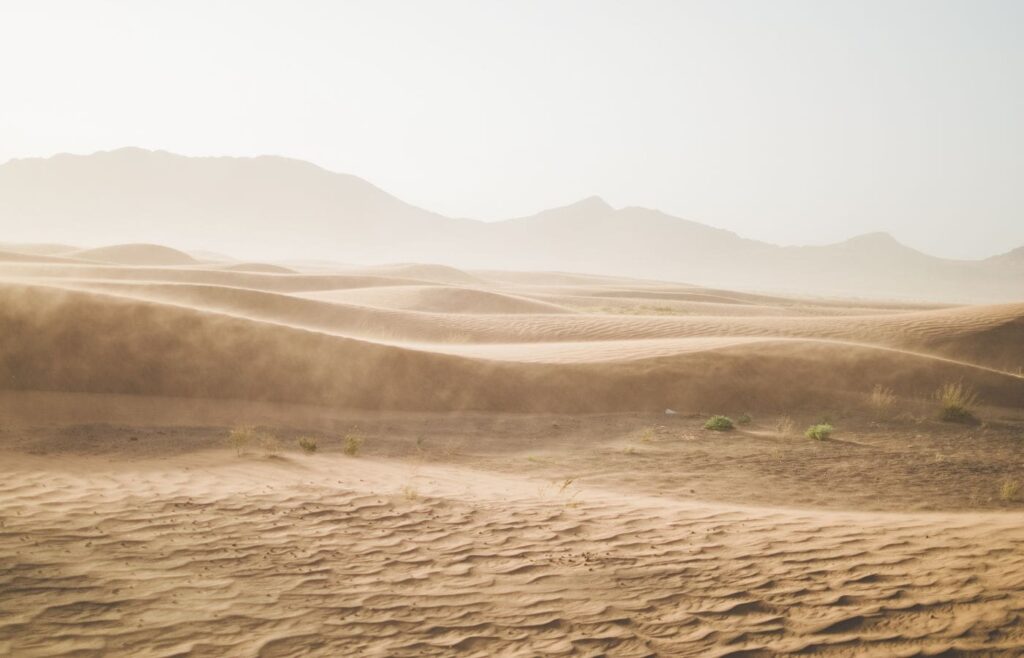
[719, 424]
[308, 445]
[744, 419]
[819, 432]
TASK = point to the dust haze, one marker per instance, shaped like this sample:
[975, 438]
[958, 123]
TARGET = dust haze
[256, 405]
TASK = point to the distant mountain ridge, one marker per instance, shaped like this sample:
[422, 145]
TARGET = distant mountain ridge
[271, 207]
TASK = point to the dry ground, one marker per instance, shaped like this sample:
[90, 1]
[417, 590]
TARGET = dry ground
[519, 489]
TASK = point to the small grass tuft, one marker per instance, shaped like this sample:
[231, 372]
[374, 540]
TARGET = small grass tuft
[819, 432]
[881, 400]
[269, 444]
[785, 425]
[353, 444]
[241, 437]
[719, 424]
[308, 444]
[957, 402]
[744, 419]
[1009, 490]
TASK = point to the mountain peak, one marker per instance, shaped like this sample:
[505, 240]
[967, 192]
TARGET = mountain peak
[876, 238]
[590, 204]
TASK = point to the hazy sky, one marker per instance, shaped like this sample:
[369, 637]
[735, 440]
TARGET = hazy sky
[792, 122]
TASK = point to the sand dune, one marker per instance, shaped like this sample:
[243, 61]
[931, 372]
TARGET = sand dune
[136, 254]
[990, 336]
[263, 268]
[440, 299]
[521, 490]
[22, 257]
[430, 273]
[125, 345]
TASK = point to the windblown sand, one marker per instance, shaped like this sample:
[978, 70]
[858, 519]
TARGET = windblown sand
[520, 489]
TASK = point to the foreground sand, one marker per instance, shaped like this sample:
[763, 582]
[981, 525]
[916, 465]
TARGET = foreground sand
[520, 491]
[329, 555]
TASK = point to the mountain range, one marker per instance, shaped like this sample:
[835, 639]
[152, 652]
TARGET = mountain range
[283, 209]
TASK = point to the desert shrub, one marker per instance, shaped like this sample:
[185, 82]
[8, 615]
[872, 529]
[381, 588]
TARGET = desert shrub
[719, 424]
[1009, 490]
[241, 437]
[308, 444]
[784, 425]
[353, 444]
[882, 399]
[819, 432]
[744, 419]
[957, 402]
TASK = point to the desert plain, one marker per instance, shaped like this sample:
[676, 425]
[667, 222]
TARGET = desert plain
[201, 457]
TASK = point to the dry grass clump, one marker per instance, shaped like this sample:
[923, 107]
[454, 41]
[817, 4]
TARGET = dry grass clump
[308, 444]
[269, 445]
[881, 400]
[819, 432]
[353, 444]
[719, 424]
[244, 437]
[957, 402]
[1009, 490]
[241, 437]
[785, 425]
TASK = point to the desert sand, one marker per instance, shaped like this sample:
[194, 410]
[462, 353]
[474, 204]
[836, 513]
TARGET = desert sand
[507, 463]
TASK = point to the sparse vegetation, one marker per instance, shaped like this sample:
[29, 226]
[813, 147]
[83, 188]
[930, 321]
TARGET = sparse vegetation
[882, 400]
[744, 419]
[957, 402]
[785, 425]
[819, 432]
[241, 437]
[308, 444]
[1009, 490]
[353, 444]
[629, 451]
[269, 444]
[719, 424]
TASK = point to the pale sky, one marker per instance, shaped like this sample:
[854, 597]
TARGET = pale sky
[792, 122]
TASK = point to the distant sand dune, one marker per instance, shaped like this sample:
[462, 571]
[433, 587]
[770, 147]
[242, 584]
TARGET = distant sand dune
[440, 299]
[136, 254]
[263, 268]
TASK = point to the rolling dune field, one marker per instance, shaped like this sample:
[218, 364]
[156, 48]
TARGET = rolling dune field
[503, 463]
